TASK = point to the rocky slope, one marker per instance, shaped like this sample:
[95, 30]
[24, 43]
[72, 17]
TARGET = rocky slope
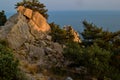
[27, 34]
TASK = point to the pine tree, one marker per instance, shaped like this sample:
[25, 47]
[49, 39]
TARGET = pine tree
[3, 18]
[34, 1]
[105, 39]
[35, 5]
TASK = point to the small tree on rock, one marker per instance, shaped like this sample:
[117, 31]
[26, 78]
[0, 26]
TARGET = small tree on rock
[3, 18]
[35, 5]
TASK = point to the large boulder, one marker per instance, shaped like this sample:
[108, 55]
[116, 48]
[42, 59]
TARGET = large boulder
[35, 52]
[40, 21]
[28, 13]
[35, 18]
[25, 26]
[18, 32]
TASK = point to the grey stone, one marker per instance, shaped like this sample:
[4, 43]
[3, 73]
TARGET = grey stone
[57, 47]
[42, 43]
[17, 33]
[35, 52]
[48, 50]
[48, 37]
[68, 78]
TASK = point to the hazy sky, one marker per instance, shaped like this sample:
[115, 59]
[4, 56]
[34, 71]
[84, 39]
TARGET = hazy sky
[8, 5]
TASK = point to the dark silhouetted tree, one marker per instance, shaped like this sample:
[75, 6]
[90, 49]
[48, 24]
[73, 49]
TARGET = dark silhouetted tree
[3, 18]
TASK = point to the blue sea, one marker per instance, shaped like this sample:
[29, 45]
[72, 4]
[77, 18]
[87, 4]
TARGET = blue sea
[108, 20]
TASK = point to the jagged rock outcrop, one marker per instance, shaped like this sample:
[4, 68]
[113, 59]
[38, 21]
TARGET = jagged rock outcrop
[16, 31]
[35, 18]
[24, 26]
[27, 34]
[74, 33]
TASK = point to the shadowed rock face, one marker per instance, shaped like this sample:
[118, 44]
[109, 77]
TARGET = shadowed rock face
[25, 26]
[16, 31]
[36, 18]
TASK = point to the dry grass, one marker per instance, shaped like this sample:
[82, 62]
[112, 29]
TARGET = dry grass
[30, 68]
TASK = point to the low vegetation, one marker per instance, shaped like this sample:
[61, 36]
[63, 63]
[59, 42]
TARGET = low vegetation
[99, 52]
[8, 64]
[3, 18]
[60, 35]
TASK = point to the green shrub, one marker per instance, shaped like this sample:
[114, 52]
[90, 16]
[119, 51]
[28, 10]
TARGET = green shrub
[3, 18]
[8, 64]
[98, 52]
[60, 35]
[58, 71]
[73, 52]
[94, 58]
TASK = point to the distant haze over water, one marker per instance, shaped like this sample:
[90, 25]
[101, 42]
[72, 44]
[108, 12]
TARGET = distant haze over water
[109, 20]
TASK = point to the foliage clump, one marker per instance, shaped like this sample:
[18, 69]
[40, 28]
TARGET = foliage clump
[60, 35]
[98, 52]
[3, 18]
[8, 64]
[35, 5]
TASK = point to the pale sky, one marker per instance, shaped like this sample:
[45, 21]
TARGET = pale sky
[63, 5]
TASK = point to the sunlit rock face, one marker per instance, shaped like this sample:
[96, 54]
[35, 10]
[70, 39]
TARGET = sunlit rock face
[40, 21]
[28, 13]
[21, 9]
[35, 18]
[24, 26]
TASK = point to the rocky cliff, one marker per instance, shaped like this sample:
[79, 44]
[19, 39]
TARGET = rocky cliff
[25, 26]
[35, 19]
[27, 34]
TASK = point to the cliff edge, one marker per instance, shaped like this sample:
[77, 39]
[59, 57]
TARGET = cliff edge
[27, 34]
[24, 26]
